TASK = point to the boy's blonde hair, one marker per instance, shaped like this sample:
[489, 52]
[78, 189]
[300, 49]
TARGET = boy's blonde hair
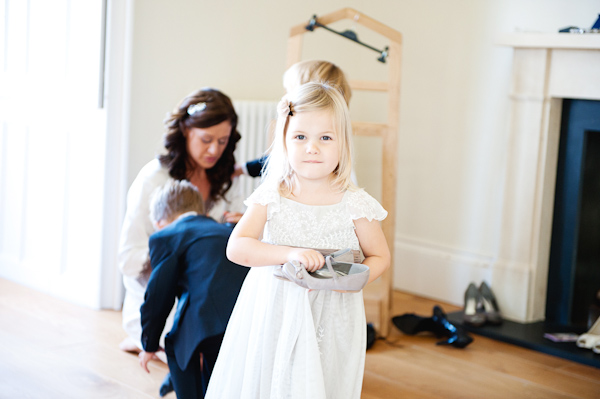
[175, 198]
[316, 71]
[308, 98]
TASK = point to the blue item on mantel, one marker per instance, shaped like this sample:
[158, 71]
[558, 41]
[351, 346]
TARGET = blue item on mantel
[574, 29]
[597, 23]
[570, 29]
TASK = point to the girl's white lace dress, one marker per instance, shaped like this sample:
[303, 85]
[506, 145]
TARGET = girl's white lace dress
[283, 341]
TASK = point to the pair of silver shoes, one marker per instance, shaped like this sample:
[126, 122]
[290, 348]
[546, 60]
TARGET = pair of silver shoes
[335, 275]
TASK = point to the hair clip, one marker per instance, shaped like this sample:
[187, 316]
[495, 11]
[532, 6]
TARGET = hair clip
[284, 108]
[192, 109]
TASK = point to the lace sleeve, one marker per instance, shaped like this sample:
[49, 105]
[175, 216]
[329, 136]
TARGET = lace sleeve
[267, 195]
[362, 205]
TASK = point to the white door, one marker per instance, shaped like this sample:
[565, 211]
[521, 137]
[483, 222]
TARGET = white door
[52, 146]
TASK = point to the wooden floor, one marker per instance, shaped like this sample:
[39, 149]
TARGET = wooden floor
[53, 349]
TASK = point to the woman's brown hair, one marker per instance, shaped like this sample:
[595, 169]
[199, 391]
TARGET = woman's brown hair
[218, 108]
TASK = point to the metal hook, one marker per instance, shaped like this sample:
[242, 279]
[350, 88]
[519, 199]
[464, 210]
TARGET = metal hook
[311, 23]
[384, 54]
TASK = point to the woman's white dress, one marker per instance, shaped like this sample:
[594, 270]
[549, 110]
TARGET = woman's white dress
[283, 341]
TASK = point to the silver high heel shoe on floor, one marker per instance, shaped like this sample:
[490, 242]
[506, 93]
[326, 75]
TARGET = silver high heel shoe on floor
[471, 314]
[490, 306]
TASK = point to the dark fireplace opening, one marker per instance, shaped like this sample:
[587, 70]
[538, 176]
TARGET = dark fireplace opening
[574, 268]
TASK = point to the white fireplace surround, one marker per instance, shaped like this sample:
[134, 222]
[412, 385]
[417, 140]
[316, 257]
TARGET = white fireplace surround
[546, 69]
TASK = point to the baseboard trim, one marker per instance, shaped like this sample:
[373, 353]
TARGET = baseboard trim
[443, 273]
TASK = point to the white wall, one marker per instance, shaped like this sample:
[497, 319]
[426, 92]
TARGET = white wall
[454, 107]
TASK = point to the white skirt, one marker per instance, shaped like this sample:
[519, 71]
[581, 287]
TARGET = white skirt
[283, 341]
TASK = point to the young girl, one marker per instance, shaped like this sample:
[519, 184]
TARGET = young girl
[298, 74]
[284, 341]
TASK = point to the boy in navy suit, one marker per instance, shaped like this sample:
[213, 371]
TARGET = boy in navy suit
[188, 262]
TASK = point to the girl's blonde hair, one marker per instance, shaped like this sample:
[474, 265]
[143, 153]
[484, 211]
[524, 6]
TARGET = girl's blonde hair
[308, 98]
[316, 71]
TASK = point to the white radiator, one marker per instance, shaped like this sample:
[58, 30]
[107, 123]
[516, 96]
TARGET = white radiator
[254, 118]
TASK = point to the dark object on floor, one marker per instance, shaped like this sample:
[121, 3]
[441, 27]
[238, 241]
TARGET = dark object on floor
[437, 324]
[457, 337]
[166, 386]
[370, 335]
[411, 324]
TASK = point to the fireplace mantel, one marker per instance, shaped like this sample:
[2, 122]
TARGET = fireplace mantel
[585, 41]
[546, 69]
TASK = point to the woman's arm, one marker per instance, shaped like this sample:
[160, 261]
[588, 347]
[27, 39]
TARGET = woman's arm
[374, 247]
[137, 227]
[231, 208]
[245, 248]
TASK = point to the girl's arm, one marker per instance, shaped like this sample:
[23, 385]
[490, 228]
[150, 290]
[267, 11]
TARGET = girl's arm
[245, 248]
[374, 247]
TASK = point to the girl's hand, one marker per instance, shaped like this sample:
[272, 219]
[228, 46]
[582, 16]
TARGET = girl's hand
[232, 217]
[311, 259]
[237, 170]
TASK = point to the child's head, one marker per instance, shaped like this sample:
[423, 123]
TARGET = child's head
[173, 199]
[316, 71]
[311, 97]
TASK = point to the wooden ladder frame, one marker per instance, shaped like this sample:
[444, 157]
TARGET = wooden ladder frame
[377, 295]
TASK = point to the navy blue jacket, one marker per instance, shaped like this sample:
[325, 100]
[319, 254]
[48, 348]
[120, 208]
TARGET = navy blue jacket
[255, 167]
[188, 262]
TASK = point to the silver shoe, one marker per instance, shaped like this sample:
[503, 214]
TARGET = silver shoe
[342, 255]
[339, 276]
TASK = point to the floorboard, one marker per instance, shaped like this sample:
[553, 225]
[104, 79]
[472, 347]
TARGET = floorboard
[50, 348]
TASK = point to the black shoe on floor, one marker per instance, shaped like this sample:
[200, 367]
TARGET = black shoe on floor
[411, 324]
[437, 324]
[457, 337]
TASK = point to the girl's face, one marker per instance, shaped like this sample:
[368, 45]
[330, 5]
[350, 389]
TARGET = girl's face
[206, 145]
[312, 145]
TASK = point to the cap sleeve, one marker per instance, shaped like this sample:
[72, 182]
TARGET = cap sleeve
[362, 205]
[265, 194]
